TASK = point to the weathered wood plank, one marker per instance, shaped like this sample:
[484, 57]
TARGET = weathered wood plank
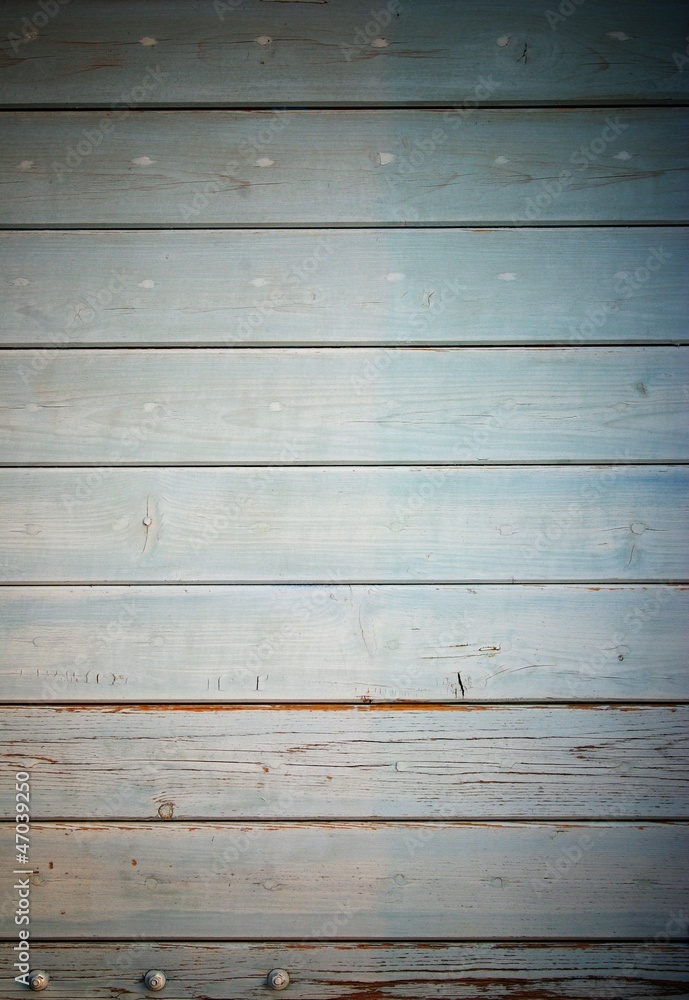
[220, 168]
[248, 644]
[347, 880]
[347, 525]
[228, 971]
[234, 53]
[229, 763]
[507, 286]
[346, 406]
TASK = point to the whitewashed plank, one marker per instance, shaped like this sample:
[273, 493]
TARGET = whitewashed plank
[229, 971]
[507, 286]
[229, 763]
[346, 406]
[334, 644]
[347, 880]
[244, 52]
[221, 168]
[348, 525]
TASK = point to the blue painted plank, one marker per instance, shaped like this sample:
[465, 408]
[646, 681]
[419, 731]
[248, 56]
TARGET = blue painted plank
[384, 881]
[343, 286]
[364, 762]
[306, 525]
[409, 971]
[225, 168]
[338, 643]
[246, 53]
[347, 406]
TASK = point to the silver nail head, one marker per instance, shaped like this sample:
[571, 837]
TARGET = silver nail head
[278, 979]
[38, 980]
[155, 980]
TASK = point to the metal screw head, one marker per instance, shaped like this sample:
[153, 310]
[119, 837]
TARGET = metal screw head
[278, 979]
[155, 980]
[38, 980]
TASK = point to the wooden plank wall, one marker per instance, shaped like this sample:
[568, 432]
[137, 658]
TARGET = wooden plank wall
[344, 398]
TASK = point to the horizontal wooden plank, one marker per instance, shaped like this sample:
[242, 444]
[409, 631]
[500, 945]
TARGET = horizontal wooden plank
[348, 525]
[229, 971]
[249, 644]
[228, 763]
[349, 406]
[234, 53]
[220, 168]
[347, 880]
[505, 286]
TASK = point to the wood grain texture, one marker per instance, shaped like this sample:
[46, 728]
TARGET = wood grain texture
[346, 406]
[349, 525]
[225, 168]
[348, 880]
[227, 971]
[334, 644]
[229, 763]
[343, 286]
[251, 53]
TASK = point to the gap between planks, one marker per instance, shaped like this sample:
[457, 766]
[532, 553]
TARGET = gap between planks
[273, 108]
[345, 583]
[46, 345]
[321, 224]
[603, 463]
[361, 704]
[310, 821]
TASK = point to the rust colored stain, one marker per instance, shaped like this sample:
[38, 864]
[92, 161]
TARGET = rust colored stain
[133, 862]
[370, 706]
